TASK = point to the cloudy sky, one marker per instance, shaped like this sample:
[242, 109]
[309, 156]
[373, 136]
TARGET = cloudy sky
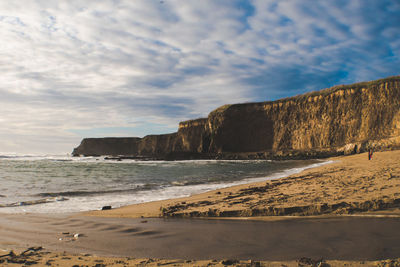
[73, 69]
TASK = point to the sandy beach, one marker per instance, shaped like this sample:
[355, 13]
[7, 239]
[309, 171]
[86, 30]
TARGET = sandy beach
[350, 185]
[201, 241]
[346, 212]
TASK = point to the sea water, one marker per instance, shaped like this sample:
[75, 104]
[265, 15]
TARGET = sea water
[57, 184]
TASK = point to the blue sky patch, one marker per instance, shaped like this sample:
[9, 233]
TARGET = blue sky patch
[132, 68]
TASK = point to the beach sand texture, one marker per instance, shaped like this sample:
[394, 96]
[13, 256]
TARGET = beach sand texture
[352, 184]
[336, 241]
[47, 258]
[348, 210]
[333, 238]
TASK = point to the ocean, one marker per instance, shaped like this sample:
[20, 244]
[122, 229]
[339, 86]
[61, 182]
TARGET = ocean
[63, 184]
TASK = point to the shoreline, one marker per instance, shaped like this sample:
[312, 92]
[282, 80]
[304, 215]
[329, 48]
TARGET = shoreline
[132, 233]
[174, 185]
[348, 185]
[150, 209]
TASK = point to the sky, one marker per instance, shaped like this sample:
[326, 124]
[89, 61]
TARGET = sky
[74, 69]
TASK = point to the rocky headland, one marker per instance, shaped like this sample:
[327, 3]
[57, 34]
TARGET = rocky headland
[344, 119]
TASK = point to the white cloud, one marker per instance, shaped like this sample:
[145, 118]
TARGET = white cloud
[88, 65]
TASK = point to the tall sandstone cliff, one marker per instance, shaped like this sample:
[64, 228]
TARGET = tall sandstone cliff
[339, 120]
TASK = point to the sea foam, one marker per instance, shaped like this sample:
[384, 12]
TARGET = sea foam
[63, 184]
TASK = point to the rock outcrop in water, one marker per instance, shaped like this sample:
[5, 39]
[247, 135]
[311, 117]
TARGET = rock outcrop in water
[343, 119]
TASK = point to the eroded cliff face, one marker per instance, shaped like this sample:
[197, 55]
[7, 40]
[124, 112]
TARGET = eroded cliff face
[342, 119]
[362, 114]
[107, 146]
[192, 136]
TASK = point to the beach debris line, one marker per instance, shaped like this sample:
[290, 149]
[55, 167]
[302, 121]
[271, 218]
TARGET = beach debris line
[68, 237]
[304, 261]
[229, 262]
[24, 258]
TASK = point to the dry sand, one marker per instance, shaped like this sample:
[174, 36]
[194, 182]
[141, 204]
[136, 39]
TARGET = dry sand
[36, 256]
[314, 208]
[352, 184]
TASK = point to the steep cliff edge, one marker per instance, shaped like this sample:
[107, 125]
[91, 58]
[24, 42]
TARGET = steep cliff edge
[363, 114]
[107, 146]
[341, 119]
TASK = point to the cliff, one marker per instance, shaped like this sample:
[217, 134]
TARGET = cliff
[339, 120]
[107, 146]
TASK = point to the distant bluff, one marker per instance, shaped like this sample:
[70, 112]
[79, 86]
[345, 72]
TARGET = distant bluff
[343, 119]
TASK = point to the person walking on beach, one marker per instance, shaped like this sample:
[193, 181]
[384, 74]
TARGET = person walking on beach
[370, 154]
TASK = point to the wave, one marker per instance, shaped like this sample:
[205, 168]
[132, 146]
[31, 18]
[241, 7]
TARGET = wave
[51, 157]
[33, 156]
[103, 159]
[186, 183]
[121, 195]
[79, 193]
[33, 202]
[182, 183]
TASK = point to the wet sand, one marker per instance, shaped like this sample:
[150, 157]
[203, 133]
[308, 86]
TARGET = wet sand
[347, 212]
[352, 184]
[338, 238]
